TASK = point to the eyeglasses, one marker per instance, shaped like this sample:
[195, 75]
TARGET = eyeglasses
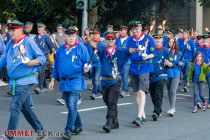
[110, 39]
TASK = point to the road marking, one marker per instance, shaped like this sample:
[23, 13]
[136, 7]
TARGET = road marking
[3, 137]
[96, 108]
[180, 98]
[189, 95]
[184, 95]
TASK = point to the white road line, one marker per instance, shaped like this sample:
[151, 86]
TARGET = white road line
[95, 108]
[180, 98]
[184, 95]
[3, 137]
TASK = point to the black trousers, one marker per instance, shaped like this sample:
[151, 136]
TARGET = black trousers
[156, 92]
[110, 96]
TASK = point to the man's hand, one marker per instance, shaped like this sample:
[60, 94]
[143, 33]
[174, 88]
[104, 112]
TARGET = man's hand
[86, 68]
[168, 63]
[32, 63]
[180, 63]
[206, 29]
[133, 50]
[51, 84]
[145, 56]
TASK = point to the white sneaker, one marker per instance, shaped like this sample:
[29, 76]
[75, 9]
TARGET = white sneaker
[174, 109]
[124, 94]
[61, 101]
[3, 137]
[2, 83]
[171, 112]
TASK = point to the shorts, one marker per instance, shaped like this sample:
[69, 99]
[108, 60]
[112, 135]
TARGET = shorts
[140, 82]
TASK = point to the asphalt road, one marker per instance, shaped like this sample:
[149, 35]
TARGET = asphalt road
[183, 126]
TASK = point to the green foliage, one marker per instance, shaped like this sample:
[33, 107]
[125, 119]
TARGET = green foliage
[205, 3]
[118, 12]
[50, 12]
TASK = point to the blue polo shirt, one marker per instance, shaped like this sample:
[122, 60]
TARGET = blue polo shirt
[68, 64]
[22, 74]
[123, 44]
[95, 61]
[158, 65]
[196, 73]
[206, 54]
[174, 58]
[108, 63]
[138, 65]
[44, 43]
[190, 49]
[2, 45]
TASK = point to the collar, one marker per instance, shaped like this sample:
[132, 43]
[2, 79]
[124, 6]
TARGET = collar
[123, 36]
[97, 41]
[135, 38]
[186, 39]
[159, 47]
[19, 41]
[72, 46]
[110, 53]
[172, 50]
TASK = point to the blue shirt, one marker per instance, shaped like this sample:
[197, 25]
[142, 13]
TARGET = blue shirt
[123, 44]
[69, 64]
[2, 45]
[174, 58]
[160, 70]
[165, 41]
[206, 54]
[104, 34]
[44, 43]
[16, 70]
[198, 48]
[112, 64]
[95, 61]
[81, 40]
[7, 38]
[138, 65]
[190, 49]
[196, 73]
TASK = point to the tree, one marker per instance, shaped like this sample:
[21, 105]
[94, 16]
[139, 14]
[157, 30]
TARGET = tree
[205, 3]
[118, 12]
[50, 12]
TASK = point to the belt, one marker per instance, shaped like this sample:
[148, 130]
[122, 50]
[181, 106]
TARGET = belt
[14, 82]
[111, 78]
[69, 79]
[155, 75]
[143, 62]
[139, 63]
